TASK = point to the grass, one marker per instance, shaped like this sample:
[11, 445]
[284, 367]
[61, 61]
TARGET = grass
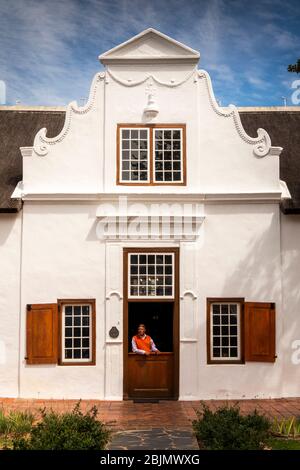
[15, 422]
[284, 444]
[12, 424]
[286, 427]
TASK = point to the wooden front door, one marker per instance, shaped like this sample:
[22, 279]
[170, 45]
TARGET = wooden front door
[151, 297]
[151, 376]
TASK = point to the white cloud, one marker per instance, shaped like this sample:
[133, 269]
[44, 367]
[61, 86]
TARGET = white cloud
[257, 82]
[49, 49]
[280, 37]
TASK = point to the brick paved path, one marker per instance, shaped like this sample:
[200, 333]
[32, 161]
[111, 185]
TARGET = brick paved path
[163, 425]
[126, 415]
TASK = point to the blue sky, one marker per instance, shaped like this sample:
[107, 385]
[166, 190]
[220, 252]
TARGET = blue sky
[49, 49]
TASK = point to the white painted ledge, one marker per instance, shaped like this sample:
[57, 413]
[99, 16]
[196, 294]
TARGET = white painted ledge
[285, 193]
[245, 197]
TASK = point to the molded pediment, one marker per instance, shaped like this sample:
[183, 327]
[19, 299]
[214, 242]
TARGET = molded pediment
[150, 45]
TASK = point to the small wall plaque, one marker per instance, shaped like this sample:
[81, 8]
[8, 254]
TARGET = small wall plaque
[114, 332]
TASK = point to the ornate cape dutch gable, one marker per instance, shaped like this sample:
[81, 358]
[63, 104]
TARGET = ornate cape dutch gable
[150, 71]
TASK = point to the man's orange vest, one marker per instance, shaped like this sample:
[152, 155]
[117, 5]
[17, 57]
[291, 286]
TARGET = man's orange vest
[144, 344]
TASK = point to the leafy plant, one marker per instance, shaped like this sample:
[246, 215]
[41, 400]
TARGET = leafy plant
[15, 422]
[287, 427]
[68, 431]
[3, 422]
[14, 425]
[227, 429]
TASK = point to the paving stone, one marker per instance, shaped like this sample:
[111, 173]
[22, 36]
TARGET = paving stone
[155, 439]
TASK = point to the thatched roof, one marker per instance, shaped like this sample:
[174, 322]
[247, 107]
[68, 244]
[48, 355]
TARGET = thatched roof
[18, 128]
[284, 129]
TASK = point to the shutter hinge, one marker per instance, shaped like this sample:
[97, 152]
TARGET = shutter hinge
[28, 307]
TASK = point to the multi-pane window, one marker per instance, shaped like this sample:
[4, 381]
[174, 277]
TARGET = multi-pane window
[151, 275]
[151, 154]
[77, 332]
[134, 155]
[168, 155]
[225, 331]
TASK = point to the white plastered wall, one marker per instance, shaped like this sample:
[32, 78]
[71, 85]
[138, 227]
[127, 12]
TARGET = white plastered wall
[10, 249]
[62, 259]
[290, 245]
[237, 254]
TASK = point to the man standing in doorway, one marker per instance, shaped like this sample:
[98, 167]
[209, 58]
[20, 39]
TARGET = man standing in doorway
[142, 343]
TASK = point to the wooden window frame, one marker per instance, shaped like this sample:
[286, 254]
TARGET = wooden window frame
[155, 297]
[225, 300]
[61, 303]
[151, 180]
[149, 157]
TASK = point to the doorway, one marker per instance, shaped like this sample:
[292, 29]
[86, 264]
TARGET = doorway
[158, 320]
[151, 297]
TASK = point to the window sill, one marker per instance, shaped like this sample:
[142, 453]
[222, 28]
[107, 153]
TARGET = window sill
[92, 363]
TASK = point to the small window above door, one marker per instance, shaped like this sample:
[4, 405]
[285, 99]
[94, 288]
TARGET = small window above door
[151, 275]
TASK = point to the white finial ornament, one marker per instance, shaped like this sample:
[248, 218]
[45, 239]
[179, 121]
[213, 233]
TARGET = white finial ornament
[152, 109]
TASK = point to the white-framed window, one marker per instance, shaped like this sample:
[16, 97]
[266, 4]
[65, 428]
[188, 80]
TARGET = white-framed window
[134, 153]
[225, 331]
[151, 275]
[152, 154]
[168, 154]
[77, 332]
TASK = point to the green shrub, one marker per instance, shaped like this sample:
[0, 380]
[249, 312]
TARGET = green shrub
[227, 429]
[68, 431]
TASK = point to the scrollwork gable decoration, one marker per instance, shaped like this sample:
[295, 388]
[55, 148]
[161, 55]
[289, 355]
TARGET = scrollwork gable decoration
[42, 143]
[261, 144]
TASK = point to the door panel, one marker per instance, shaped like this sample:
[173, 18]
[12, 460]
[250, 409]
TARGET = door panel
[150, 376]
[153, 376]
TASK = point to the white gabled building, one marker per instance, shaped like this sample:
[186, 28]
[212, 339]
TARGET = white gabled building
[151, 205]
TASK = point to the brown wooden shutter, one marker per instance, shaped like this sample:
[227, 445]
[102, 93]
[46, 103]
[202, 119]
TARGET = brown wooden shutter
[260, 332]
[42, 322]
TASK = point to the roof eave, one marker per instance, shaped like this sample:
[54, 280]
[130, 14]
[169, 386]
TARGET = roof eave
[289, 210]
[149, 60]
